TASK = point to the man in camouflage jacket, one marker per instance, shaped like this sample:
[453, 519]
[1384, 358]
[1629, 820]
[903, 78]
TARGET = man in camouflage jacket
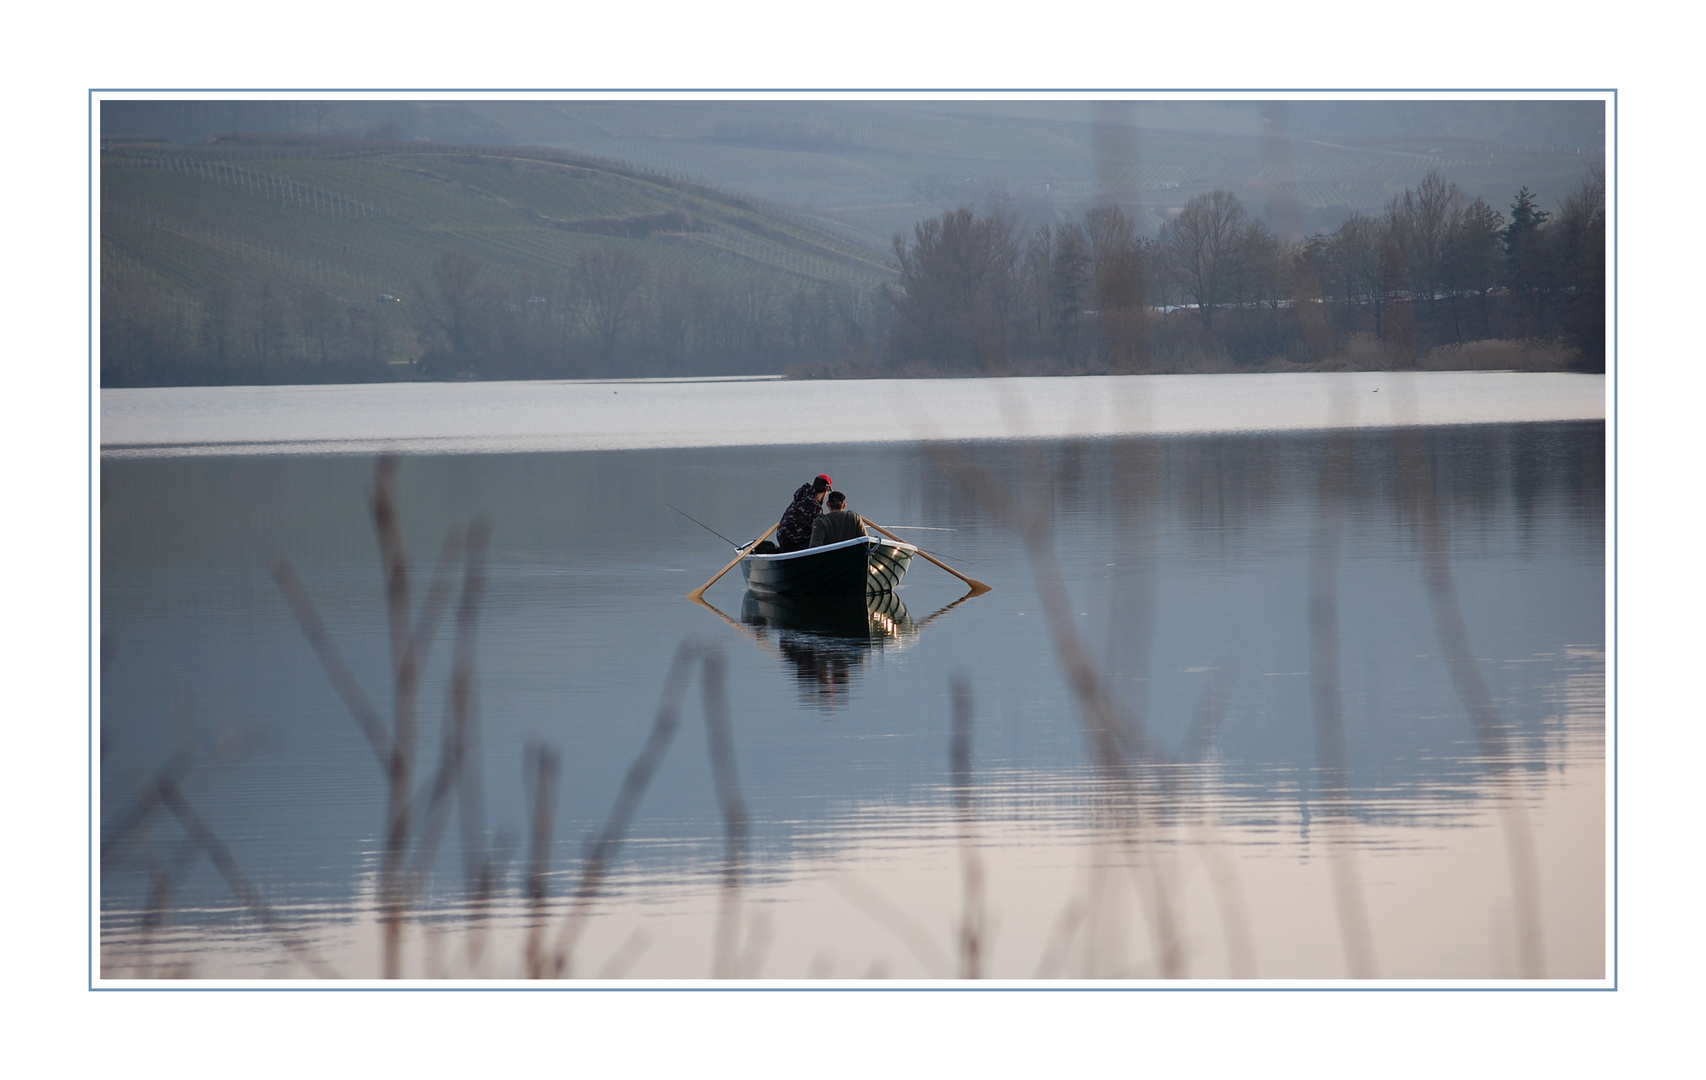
[796, 529]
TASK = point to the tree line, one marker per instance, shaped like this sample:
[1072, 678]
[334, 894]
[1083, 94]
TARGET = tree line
[973, 293]
[615, 314]
[1216, 289]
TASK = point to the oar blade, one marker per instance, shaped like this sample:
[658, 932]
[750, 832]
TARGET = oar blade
[978, 588]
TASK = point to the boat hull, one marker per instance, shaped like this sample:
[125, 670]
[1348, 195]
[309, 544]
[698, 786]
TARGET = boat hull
[856, 567]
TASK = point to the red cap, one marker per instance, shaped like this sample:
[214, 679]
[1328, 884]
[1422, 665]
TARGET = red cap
[825, 478]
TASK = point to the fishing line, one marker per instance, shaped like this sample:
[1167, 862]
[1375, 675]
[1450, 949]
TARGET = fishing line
[938, 554]
[706, 527]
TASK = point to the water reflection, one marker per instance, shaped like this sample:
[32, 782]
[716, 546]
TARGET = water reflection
[879, 893]
[873, 620]
[1207, 577]
[825, 640]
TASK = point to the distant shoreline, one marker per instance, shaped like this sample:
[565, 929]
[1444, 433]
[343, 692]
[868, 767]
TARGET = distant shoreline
[556, 416]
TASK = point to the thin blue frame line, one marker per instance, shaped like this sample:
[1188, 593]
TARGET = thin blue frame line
[89, 526]
[1617, 716]
[1616, 760]
[855, 988]
[847, 90]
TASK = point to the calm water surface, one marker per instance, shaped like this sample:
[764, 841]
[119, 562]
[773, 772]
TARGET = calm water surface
[1230, 844]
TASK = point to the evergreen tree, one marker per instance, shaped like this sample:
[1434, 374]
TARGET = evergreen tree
[1526, 217]
[1530, 262]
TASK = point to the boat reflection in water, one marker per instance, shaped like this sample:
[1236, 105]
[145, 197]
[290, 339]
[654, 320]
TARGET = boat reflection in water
[875, 618]
[825, 640]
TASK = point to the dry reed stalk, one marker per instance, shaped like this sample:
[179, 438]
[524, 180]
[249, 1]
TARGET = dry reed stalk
[408, 646]
[410, 639]
[162, 879]
[1204, 732]
[640, 773]
[457, 774]
[162, 874]
[1325, 685]
[479, 868]
[972, 921]
[1118, 742]
[1059, 940]
[719, 740]
[1229, 899]
[355, 699]
[1423, 500]
[897, 921]
[618, 963]
[541, 768]
[634, 784]
[406, 812]
[405, 668]
[173, 799]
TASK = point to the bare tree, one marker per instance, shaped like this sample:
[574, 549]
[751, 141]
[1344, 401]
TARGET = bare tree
[317, 317]
[1058, 280]
[1200, 241]
[1473, 259]
[1254, 276]
[610, 281]
[1419, 222]
[956, 283]
[1118, 264]
[670, 298]
[1109, 233]
[1581, 247]
[454, 306]
[1356, 254]
[1069, 282]
[757, 297]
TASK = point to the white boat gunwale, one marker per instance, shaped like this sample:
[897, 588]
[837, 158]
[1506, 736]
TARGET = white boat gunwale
[872, 541]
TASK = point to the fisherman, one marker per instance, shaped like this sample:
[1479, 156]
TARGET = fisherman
[795, 532]
[837, 525]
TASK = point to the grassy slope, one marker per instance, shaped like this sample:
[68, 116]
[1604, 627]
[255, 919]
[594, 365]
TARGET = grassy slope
[870, 186]
[894, 162]
[359, 221]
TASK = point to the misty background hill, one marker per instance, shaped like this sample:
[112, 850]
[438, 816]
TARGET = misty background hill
[870, 169]
[330, 241]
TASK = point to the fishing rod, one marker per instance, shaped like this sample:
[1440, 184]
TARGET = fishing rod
[743, 547]
[706, 527]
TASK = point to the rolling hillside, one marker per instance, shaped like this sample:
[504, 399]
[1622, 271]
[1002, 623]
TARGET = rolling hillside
[356, 220]
[336, 223]
[875, 168]
[868, 169]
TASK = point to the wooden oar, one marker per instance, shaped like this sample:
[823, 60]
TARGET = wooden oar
[977, 587]
[699, 593]
[751, 632]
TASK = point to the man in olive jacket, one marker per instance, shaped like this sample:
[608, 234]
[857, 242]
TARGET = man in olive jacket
[837, 525]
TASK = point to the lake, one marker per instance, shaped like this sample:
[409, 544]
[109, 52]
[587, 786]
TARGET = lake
[1271, 702]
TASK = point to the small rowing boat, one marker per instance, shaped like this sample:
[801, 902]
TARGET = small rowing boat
[856, 567]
